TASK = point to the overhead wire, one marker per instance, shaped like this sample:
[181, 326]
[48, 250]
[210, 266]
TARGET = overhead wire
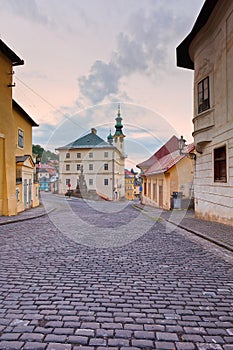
[48, 103]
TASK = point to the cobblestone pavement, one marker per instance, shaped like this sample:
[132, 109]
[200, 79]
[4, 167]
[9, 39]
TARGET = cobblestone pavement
[216, 232]
[160, 289]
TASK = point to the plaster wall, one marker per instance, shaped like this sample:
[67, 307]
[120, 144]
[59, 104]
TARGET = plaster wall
[8, 169]
[93, 170]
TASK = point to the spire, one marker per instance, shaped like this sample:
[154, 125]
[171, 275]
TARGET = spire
[110, 138]
[118, 125]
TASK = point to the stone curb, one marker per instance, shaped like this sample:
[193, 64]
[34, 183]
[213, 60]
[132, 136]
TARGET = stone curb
[197, 233]
[26, 219]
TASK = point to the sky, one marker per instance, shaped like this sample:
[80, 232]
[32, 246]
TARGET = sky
[84, 57]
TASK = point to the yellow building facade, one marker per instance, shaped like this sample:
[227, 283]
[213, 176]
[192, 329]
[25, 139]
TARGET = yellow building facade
[129, 185]
[168, 175]
[16, 164]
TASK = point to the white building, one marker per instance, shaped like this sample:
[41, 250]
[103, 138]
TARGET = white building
[208, 50]
[91, 167]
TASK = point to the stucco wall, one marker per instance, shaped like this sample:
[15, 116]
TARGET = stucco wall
[8, 199]
[114, 174]
[212, 51]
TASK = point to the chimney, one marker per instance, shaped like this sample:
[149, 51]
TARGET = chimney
[94, 131]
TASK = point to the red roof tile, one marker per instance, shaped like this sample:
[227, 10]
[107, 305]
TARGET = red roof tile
[168, 161]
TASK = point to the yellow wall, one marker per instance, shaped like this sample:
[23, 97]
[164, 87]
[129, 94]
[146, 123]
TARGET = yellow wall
[178, 179]
[7, 186]
[129, 188]
[23, 124]
[10, 121]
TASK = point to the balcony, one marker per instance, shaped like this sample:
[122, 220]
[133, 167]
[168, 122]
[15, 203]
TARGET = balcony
[203, 125]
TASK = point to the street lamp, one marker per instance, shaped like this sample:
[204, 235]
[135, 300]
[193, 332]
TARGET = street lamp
[181, 145]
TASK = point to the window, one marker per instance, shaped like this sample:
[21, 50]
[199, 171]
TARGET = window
[17, 194]
[105, 154]
[106, 166]
[67, 155]
[20, 138]
[91, 155]
[67, 167]
[220, 165]
[91, 167]
[105, 182]
[91, 182]
[78, 166]
[67, 182]
[203, 95]
[78, 155]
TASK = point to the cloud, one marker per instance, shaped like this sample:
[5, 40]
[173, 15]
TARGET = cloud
[101, 81]
[147, 47]
[27, 9]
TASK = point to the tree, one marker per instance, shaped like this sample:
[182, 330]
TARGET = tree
[37, 150]
[45, 156]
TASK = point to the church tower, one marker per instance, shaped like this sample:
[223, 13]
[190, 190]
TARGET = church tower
[119, 136]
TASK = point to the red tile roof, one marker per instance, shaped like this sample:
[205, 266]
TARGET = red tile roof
[168, 161]
[170, 146]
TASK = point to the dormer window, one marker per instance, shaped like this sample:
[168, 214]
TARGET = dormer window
[203, 95]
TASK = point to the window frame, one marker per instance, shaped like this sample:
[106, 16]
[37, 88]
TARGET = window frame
[220, 164]
[78, 155]
[67, 155]
[105, 154]
[106, 182]
[67, 167]
[203, 101]
[91, 166]
[90, 155]
[20, 138]
[106, 166]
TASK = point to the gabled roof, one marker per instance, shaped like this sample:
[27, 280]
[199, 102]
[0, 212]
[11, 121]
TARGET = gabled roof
[23, 113]
[129, 174]
[182, 51]
[88, 141]
[167, 162]
[170, 146]
[16, 61]
[22, 159]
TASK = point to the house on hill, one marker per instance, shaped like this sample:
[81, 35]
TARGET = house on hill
[208, 51]
[167, 176]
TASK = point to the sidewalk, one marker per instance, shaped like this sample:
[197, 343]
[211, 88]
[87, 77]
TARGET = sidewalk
[29, 214]
[217, 233]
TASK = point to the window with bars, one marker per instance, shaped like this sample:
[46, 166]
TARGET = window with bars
[220, 164]
[203, 95]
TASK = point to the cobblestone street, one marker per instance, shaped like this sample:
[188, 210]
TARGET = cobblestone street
[104, 276]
